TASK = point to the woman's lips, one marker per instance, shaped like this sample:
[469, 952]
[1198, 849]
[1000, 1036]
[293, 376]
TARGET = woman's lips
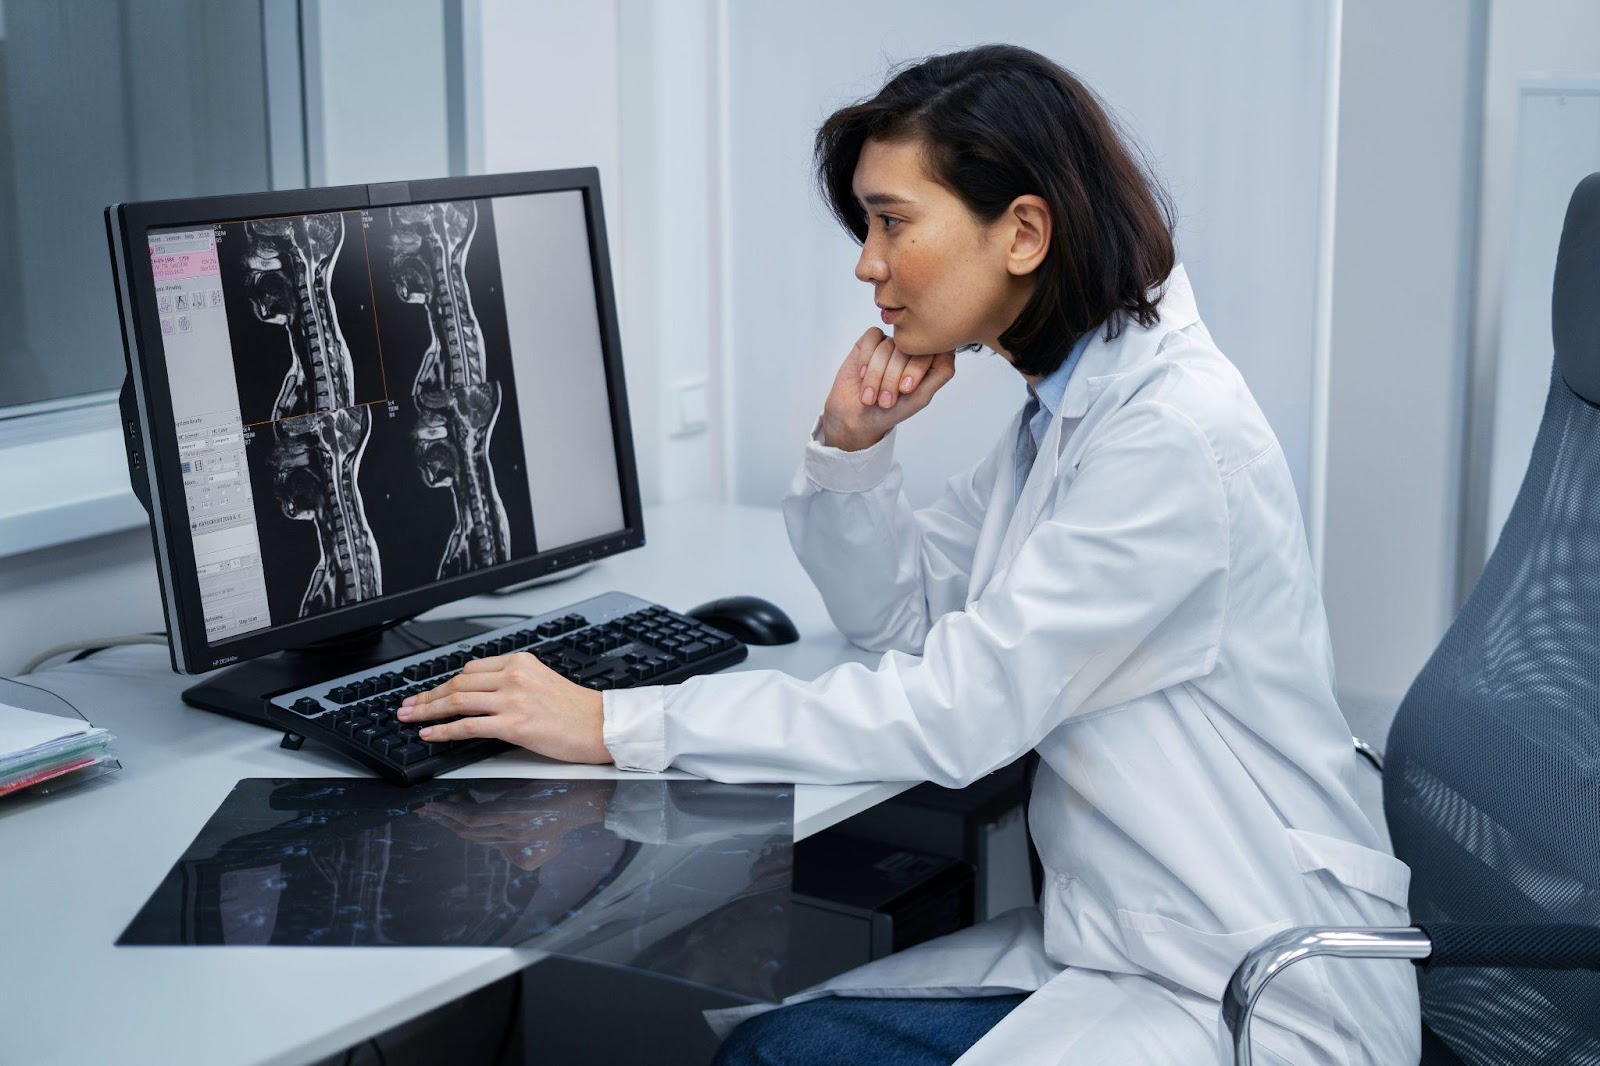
[891, 315]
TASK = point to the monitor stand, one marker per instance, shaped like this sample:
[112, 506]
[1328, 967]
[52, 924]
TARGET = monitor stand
[243, 691]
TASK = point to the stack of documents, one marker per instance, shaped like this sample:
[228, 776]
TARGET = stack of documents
[35, 747]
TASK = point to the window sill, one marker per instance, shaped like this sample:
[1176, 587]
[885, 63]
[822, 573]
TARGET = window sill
[63, 478]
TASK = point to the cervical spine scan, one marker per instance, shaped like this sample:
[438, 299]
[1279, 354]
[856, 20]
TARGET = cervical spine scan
[455, 401]
[319, 432]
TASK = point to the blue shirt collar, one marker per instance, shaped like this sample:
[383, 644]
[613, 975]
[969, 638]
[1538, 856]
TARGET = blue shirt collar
[1053, 386]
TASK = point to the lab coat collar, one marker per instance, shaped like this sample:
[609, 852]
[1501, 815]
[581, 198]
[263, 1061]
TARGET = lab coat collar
[1012, 515]
[1103, 361]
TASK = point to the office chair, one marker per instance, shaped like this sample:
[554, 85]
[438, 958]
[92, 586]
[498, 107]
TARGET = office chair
[1492, 778]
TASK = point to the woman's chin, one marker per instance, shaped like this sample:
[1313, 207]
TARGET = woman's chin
[911, 342]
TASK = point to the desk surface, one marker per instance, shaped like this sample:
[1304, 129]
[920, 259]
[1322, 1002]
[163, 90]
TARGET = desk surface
[79, 865]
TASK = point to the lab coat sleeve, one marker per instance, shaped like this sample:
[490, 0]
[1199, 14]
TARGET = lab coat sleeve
[1118, 592]
[885, 572]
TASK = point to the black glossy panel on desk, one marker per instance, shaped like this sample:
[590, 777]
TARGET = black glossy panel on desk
[689, 879]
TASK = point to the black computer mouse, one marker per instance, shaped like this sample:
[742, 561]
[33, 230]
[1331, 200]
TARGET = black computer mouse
[748, 618]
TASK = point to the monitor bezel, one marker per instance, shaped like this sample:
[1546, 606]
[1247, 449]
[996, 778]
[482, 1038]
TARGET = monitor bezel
[130, 224]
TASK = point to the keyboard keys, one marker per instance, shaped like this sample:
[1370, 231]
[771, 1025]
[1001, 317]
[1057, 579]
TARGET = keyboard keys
[643, 646]
[409, 753]
[368, 734]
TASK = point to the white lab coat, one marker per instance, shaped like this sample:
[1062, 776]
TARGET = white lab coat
[1146, 616]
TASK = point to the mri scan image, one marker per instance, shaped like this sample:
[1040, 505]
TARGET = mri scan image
[383, 435]
[457, 405]
[319, 431]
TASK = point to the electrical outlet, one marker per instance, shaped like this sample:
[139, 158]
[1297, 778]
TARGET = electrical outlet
[690, 417]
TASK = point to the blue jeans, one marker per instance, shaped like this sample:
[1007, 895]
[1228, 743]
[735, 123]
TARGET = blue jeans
[846, 1031]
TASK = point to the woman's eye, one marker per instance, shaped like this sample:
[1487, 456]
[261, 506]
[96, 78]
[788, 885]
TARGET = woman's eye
[890, 223]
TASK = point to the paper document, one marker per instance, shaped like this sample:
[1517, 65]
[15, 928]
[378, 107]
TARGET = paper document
[36, 747]
[22, 730]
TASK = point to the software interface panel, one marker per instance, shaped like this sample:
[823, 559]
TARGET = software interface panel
[371, 400]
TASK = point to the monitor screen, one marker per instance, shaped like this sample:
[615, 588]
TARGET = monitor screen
[378, 399]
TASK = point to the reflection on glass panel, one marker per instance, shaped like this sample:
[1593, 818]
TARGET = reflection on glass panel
[684, 879]
[104, 101]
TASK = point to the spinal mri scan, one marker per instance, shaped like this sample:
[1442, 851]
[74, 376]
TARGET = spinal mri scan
[319, 431]
[457, 404]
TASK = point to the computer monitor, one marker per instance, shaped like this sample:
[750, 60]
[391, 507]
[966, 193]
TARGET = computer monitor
[345, 406]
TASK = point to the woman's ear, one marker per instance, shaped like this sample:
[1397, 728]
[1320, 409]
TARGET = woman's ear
[1028, 223]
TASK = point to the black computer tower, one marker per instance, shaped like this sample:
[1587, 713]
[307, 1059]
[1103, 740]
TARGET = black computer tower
[983, 825]
[856, 900]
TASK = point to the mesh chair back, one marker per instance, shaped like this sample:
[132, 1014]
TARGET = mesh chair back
[1492, 779]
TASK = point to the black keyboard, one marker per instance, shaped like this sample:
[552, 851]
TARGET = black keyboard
[611, 641]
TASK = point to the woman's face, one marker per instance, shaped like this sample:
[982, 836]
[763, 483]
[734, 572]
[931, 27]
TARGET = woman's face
[941, 278]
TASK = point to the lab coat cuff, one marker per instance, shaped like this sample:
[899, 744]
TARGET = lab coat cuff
[837, 470]
[634, 728]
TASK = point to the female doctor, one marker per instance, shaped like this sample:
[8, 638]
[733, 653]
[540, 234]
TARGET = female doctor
[1122, 585]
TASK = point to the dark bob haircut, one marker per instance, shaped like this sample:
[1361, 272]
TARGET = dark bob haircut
[998, 122]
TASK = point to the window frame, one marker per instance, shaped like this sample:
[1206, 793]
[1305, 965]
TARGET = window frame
[63, 475]
[63, 467]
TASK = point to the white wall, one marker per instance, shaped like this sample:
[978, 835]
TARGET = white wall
[1403, 252]
[1227, 96]
[1427, 188]
[668, 284]
[1558, 145]
[550, 94]
[105, 586]
[1554, 37]
[625, 85]
[377, 69]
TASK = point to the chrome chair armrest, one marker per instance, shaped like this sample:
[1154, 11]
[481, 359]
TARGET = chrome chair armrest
[1369, 753]
[1274, 955]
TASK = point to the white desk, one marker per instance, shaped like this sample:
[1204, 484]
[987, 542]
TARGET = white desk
[75, 868]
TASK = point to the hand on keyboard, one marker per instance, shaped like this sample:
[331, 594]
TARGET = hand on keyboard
[608, 641]
[518, 699]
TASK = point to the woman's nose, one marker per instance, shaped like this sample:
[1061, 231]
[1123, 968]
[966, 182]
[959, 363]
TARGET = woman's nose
[870, 267]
